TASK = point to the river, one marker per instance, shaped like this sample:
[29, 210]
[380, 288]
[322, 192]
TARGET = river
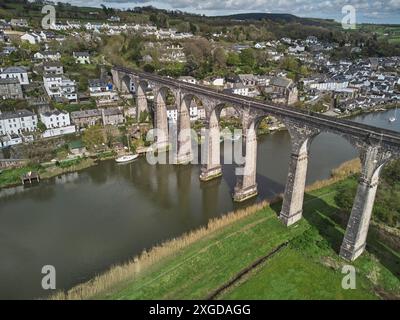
[83, 223]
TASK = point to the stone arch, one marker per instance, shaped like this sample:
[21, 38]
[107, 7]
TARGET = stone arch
[126, 83]
[160, 104]
[142, 106]
[187, 139]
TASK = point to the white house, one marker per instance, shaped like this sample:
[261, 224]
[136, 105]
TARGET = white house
[17, 122]
[32, 38]
[19, 73]
[47, 55]
[59, 86]
[239, 90]
[55, 119]
[21, 23]
[82, 57]
[57, 123]
[188, 79]
[329, 86]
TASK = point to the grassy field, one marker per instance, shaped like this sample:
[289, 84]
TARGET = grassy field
[307, 268]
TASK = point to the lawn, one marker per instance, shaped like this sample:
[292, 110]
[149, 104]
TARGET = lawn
[292, 275]
[308, 267]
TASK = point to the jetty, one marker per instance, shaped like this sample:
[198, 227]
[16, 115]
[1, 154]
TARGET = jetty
[30, 177]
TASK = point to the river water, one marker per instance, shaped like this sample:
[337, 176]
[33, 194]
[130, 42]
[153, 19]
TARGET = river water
[83, 223]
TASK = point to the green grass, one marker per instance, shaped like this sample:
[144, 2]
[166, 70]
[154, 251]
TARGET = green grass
[13, 176]
[291, 275]
[307, 268]
[204, 266]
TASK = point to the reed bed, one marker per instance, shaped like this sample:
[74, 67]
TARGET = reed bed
[342, 172]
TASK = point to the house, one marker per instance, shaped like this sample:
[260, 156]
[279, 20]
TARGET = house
[112, 116]
[296, 49]
[10, 89]
[188, 79]
[9, 140]
[55, 119]
[8, 50]
[47, 55]
[16, 122]
[32, 38]
[86, 118]
[19, 23]
[57, 123]
[82, 57]
[238, 89]
[248, 80]
[98, 86]
[53, 67]
[217, 81]
[284, 87]
[19, 73]
[59, 86]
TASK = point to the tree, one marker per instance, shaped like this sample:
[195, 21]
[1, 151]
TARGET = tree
[219, 57]
[41, 126]
[93, 137]
[247, 57]
[232, 59]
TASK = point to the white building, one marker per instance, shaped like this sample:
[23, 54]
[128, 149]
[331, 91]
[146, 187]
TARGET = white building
[16, 122]
[188, 79]
[329, 86]
[239, 90]
[55, 119]
[20, 23]
[19, 73]
[82, 57]
[57, 123]
[59, 131]
[59, 86]
[47, 55]
[32, 38]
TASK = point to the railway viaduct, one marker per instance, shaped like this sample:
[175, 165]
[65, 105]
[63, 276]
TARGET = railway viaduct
[375, 146]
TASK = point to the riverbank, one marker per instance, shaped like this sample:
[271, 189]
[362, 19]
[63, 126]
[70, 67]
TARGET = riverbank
[367, 111]
[12, 177]
[198, 264]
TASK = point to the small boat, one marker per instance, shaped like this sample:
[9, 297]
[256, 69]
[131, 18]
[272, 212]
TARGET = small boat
[394, 118]
[126, 158]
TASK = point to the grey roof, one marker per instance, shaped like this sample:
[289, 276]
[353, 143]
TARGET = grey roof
[280, 82]
[97, 83]
[9, 81]
[81, 54]
[14, 70]
[50, 64]
[54, 112]
[16, 114]
[112, 111]
[86, 113]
